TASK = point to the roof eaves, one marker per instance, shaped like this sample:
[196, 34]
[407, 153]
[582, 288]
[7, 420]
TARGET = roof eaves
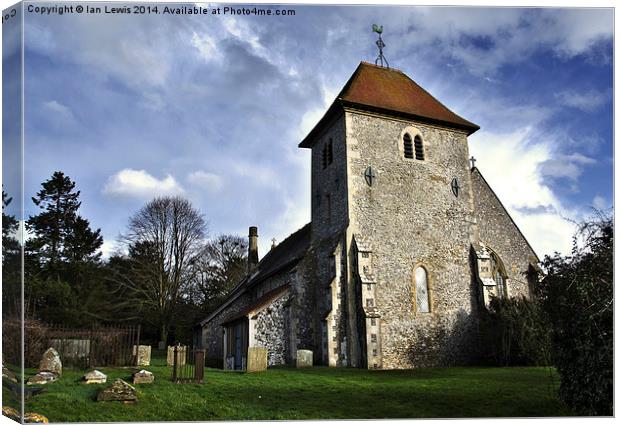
[469, 129]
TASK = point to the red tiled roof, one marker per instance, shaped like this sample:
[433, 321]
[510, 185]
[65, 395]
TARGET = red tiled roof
[390, 91]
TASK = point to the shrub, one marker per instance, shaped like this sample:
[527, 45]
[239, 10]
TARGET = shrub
[577, 297]
[515, 333]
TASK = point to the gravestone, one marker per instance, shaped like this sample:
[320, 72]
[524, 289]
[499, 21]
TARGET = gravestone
[143, 377]
[118, 391]
[304, 358]
[181, 355]
[35, 418]
[161, 345]
[257, 359]
[95, 377]
[29, 417]
[42, 378]
[50, 362]
[144, 354]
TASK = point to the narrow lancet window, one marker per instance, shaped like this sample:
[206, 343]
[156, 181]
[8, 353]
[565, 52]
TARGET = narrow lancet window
[421, 282]
[419, 148]
[408, 146]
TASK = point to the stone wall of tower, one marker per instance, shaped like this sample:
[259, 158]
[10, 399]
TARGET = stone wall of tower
[501, 235]
[412, 218]
[328, 253]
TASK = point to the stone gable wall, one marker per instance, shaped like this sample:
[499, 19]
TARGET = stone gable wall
[412, 218]
[499, 233]
[271, 330]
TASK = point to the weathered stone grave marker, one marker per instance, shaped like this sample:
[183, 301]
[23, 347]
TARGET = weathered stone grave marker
[95, 377]
[143, 377]
[144, 354]
[118, 391]
[304, 358]
[181, 355]
[257, 359]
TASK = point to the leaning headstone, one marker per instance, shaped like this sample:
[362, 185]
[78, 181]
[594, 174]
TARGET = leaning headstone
[181, 355]
[257, 359]
[144, 354]
[8, 374]
[118, 391]
[143, 377]
[304, 358]
[42, 378]
[95, 377]
[35, 418]
[50, 362]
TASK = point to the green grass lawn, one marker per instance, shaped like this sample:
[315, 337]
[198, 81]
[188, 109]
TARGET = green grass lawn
[314, 393]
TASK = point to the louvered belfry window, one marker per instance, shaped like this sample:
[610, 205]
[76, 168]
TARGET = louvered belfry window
[324, 157]
[330, 152]
[421, 282]
[408, 146]
[419, 148]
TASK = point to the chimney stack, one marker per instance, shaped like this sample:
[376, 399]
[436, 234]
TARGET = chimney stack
[253, 249]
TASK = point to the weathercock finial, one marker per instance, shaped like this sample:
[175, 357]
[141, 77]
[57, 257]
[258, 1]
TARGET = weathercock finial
[380, 44]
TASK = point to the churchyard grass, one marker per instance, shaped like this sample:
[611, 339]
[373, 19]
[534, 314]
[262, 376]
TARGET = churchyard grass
[320, 392]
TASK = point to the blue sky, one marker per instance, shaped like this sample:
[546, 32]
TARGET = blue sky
[212, 108]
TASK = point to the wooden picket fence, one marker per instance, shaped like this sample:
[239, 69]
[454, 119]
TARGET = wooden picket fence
[188, 365]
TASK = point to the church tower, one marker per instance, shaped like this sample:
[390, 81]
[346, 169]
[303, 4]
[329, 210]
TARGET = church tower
[393, 224]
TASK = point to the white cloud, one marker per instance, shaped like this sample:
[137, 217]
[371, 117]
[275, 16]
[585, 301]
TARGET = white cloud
[588, 101]
[547, 232]
[110, 247]
[207, 46]
[140, 184]
[485, 39]
[511, 164]
[257, 174]
[60, 114]
[600, 203]
[566, 166]
[209, 181]
[312, 116]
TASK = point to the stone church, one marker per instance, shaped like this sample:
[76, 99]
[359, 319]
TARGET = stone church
[407, 243]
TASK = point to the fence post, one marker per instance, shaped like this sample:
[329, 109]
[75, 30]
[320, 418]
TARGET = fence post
[199, 364]
[137, 343]
[174, 364]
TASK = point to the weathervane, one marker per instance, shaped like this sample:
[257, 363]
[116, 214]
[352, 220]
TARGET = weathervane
[380, 45]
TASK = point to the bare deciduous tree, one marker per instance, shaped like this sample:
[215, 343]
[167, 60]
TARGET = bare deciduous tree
[163, 239]
[219, 268]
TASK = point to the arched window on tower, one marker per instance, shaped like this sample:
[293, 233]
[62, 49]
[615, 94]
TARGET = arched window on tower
[421, 290]
[408, 146]
[419, 148]
[499, 276]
